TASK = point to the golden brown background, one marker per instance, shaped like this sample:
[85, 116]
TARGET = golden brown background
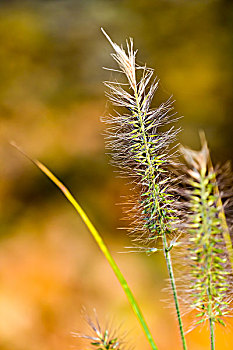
[51, 98]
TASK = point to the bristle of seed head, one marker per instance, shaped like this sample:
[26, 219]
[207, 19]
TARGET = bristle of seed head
[107, 36]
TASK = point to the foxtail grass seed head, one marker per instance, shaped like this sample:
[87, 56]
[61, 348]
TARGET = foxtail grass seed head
[140, 149]
[209, 275]
[106, 338]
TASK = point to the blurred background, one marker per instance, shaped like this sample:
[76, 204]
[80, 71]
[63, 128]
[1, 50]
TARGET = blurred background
[51, 100]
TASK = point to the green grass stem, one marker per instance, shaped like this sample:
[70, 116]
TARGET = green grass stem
[207, 232]
[101, 245]
[174, 291]
[212, 340]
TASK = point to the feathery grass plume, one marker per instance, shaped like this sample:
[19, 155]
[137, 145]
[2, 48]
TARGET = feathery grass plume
[106, 338]
[140, 149]
[209, 275]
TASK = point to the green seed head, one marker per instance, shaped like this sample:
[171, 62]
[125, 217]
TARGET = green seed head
[209, 275]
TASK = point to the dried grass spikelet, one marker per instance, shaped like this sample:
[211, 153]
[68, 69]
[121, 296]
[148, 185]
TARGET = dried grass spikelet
[106, 338]
[206, 274]
[140, 149]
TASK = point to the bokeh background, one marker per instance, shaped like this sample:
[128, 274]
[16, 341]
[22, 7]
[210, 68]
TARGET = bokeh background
[51, 100]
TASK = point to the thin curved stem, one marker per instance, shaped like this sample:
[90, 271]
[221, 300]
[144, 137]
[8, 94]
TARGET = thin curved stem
[174, 291]
[207, 232]
[101, 245]
[212, 338]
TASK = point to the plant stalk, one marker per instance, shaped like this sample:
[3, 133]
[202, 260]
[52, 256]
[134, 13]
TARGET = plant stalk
[101, 245]
[173, 285]
[212, 340]
[207, 231]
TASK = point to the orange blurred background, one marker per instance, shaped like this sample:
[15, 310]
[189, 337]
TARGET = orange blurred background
[51, 100]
